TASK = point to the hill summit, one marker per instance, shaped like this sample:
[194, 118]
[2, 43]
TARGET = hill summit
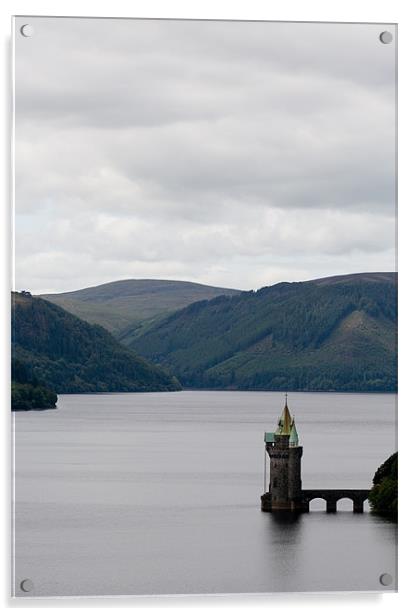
[123, 305]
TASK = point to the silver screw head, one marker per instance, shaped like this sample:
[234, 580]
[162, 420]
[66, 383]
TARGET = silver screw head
[27, 30]
[26, 585]
[386, 37]
[386, 579]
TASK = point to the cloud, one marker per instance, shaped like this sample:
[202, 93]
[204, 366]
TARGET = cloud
[223, 152]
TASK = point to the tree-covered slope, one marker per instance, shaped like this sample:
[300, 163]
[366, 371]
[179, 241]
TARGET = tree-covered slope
[123, 305]
[27, 392]
[69, 355]
[330, 334]
[383, 496]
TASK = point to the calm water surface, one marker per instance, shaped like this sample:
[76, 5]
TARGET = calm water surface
[160, 493]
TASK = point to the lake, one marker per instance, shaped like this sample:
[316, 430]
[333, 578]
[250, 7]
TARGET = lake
[159, 493]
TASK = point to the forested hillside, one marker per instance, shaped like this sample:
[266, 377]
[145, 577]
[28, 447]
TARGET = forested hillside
[329, 334]
[383, 496]
[69, 355]
[27, 392]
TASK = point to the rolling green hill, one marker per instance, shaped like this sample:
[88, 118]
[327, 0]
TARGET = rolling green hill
[123, 306]
[68, 355]
[335, 333]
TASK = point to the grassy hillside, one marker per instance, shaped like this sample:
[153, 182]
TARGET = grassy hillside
[332, 334]
[69, 355]
[122, 306]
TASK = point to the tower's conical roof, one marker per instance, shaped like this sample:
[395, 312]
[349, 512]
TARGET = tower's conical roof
[284, 424]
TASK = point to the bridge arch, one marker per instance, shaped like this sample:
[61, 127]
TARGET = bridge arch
[345, 503]
[317, 504]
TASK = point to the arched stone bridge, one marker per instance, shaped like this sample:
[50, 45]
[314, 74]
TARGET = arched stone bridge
[332, 496]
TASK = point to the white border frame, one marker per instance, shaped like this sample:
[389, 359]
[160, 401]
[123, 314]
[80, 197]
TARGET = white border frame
[393, 11]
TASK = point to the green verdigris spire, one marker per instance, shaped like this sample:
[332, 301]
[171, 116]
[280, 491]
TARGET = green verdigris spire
[293, 442]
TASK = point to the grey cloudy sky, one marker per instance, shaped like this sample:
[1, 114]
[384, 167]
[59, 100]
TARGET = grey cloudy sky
[228, 153]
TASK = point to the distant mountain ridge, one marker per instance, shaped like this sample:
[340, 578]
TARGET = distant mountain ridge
[391, 277]
[69, 355]
[336, 333]
[122, 305]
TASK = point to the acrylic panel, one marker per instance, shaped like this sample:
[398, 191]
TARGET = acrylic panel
[204, 307]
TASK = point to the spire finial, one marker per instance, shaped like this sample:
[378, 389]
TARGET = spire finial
[286, 397]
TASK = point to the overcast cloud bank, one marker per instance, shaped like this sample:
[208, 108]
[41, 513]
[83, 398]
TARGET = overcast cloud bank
[227, 153]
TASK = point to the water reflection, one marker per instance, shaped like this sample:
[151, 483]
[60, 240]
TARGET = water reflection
[288, 520]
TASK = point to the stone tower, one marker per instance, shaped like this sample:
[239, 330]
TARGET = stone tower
[285, 491]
